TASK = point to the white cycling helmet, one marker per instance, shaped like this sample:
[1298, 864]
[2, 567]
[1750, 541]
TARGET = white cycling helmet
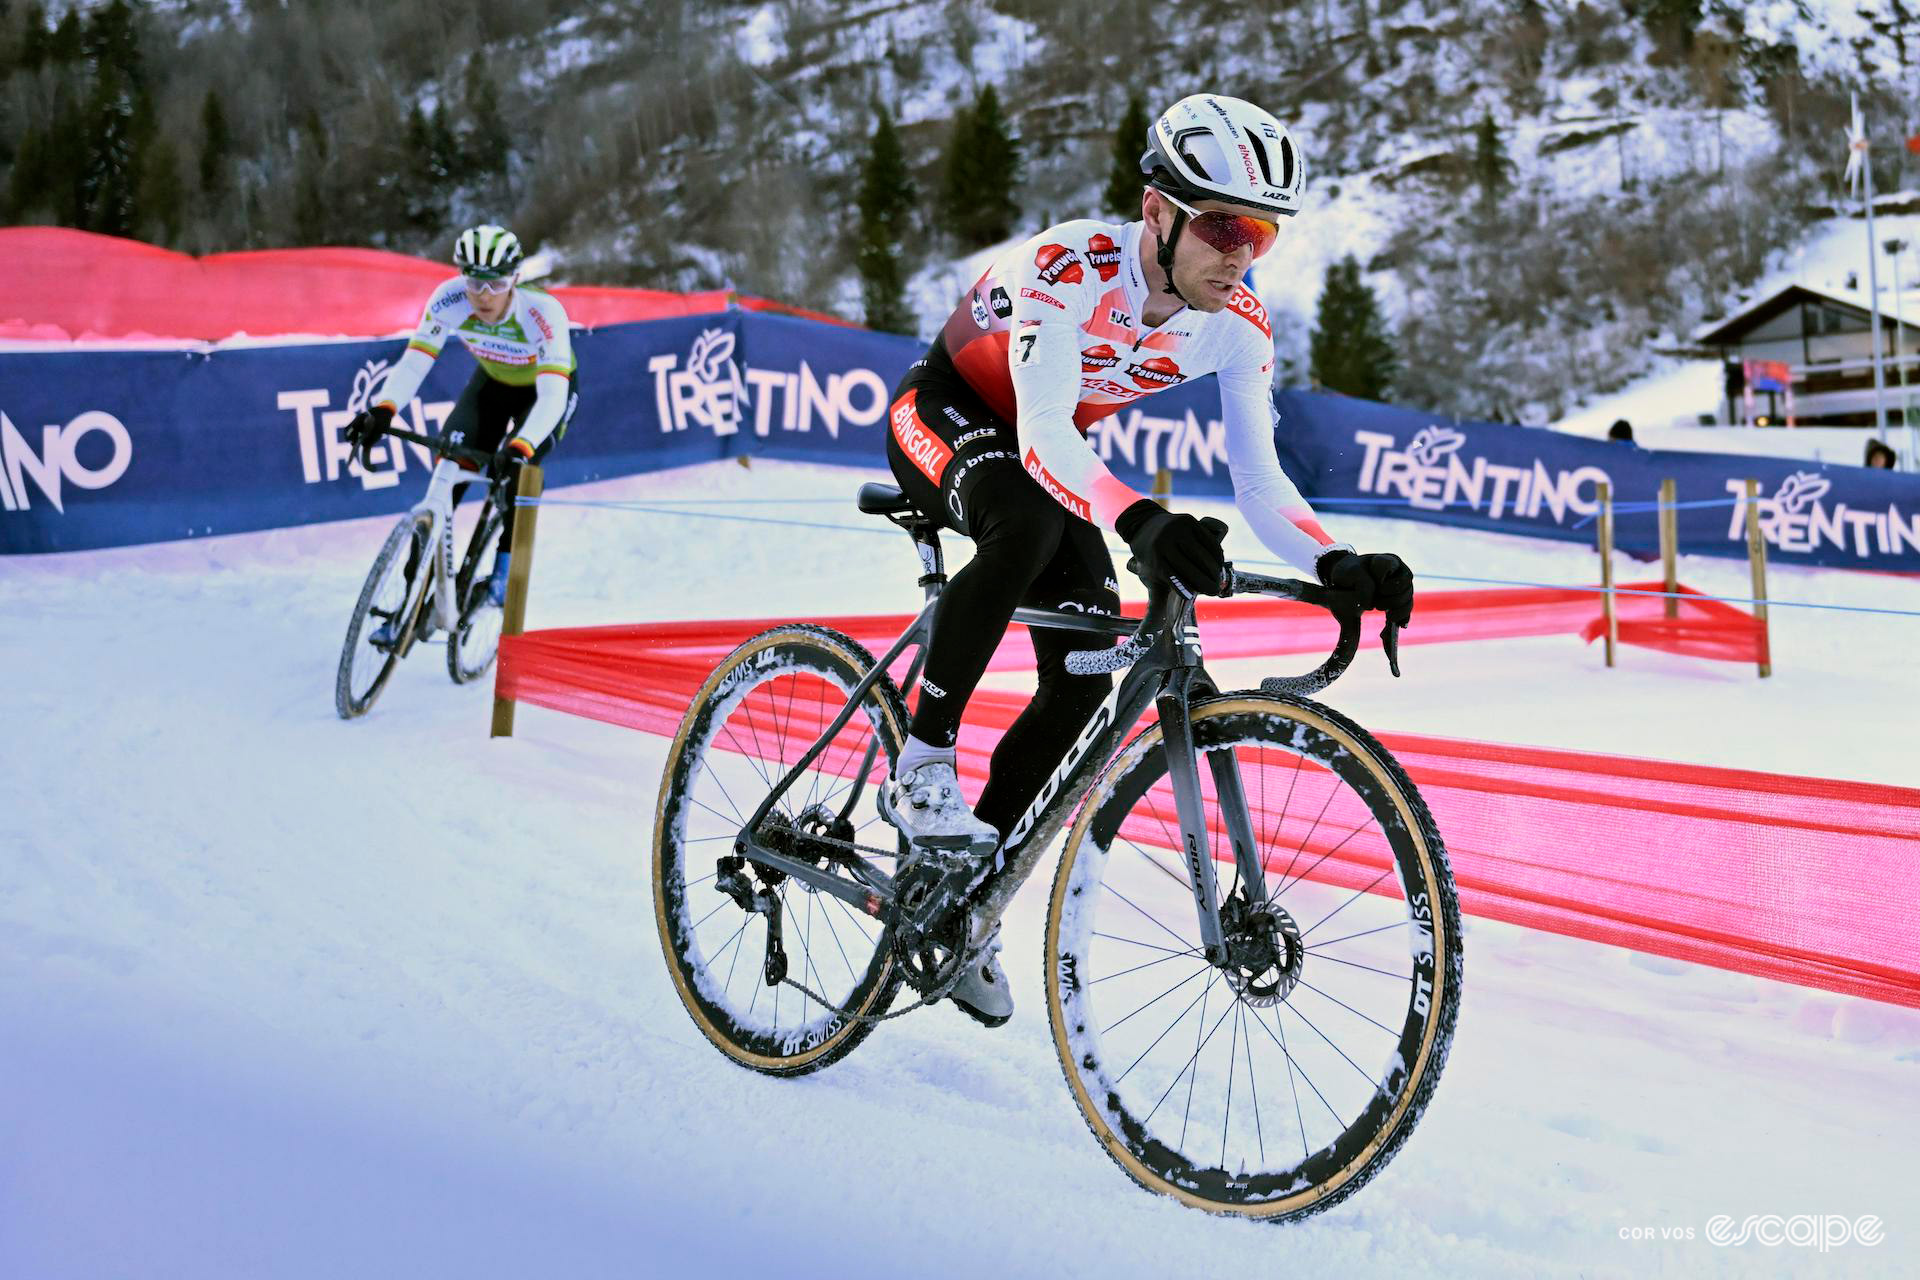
[1211, 147]
[487, 252]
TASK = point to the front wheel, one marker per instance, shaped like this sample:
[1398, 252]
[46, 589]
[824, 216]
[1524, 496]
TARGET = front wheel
[476, 636]
[388, 599]
[1275, 1083]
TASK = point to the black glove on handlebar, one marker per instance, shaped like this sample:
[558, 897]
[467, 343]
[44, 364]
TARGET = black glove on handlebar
[1380, 581]
[367, 425]
[1175, 548]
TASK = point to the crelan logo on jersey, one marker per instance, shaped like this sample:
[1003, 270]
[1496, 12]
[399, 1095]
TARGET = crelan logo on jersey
[325, 455]
[58, 460]
[1433, 473]
[716, 392]
[1797, 518]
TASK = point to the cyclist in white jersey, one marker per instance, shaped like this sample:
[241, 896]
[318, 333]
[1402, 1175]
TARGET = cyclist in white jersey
[988, 437]
[521, 397]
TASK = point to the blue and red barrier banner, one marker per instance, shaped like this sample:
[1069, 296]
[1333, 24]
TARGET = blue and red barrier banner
[105, 447]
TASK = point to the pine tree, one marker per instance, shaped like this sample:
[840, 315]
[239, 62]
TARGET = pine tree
[886, 201]
[1124, 183]
[1490, 164]
[119, 122]
[34, 37]
[66, 43]
[999, 171]
[982, 170]
[216, 142]
[487, 141]
[1350, 350]
[162, 196]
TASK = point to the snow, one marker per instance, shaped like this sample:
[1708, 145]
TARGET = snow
[283, 996]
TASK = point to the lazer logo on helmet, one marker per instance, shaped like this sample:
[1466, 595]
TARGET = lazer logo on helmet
[59, 459]
[1055, 490]
[1094, 359]
[923, 448]
[1104, 254]
[1059, 264]
[1156, 373]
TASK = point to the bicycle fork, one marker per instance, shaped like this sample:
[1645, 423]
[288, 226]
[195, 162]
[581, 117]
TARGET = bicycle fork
[1196, 838]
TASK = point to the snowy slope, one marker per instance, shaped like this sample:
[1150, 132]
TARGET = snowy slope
[282, 996]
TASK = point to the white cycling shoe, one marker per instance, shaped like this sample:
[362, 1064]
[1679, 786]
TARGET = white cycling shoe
[982, 993]
[926, 805]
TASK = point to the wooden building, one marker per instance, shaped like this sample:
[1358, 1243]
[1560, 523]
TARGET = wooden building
[1824, 337]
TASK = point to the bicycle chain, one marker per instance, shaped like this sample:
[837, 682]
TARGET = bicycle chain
[945, 989]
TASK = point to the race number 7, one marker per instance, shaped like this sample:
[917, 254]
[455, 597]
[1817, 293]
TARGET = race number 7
[1026, 341]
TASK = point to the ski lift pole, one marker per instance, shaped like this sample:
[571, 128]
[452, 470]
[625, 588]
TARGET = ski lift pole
[1860, 165]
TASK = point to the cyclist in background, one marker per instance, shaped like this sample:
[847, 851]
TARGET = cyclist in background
[988, 437]
[522, 394]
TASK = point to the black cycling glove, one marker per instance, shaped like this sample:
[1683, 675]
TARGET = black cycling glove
[1379, 581]
[1176, 548]
[367, 425]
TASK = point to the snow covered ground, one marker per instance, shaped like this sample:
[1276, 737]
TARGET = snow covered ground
[283, 996]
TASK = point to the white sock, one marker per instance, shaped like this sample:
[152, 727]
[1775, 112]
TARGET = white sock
[917, 753]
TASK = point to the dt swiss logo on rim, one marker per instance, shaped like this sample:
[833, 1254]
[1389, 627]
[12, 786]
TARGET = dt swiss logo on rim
[1059, 265]
[1156, 374]
[1104, 254]
[1094, 359]
[923, 448]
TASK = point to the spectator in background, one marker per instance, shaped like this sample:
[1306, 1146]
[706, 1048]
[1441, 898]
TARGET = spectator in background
[1621, 431]
[1879, 455]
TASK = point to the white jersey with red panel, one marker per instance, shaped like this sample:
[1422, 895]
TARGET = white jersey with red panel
[1051, 338]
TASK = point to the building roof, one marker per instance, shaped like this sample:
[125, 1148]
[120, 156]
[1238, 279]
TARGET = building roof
[1726, 331]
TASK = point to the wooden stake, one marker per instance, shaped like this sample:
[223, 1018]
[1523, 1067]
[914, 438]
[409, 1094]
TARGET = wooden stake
[1606, 568]
[1162, 487]
[1670, 545]
[1757, 561]
[519, 574]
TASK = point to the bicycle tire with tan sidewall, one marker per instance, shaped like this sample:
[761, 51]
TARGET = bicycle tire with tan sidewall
[1323, 1178]
[840, 662]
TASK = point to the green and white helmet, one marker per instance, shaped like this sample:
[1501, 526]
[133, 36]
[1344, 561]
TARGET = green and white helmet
[487, 252]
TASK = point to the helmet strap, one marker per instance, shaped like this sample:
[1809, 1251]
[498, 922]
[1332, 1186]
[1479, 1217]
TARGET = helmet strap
[1164, 254]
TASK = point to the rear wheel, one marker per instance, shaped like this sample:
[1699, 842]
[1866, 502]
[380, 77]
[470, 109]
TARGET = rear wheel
[476, 637]
[752, 721]
[1276, 1083]
[388, 598]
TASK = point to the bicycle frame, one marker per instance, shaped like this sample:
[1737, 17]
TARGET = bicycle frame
[1168, 676]
[437, 505]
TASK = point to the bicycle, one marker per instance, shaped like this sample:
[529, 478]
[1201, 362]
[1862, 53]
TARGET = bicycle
[412, 604]
[1314, 818]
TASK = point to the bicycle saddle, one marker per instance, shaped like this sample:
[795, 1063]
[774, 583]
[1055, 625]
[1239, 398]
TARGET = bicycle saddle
[884, 500]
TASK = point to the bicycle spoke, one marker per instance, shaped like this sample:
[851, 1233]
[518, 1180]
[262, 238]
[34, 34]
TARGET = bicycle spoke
[1233, 1060]
[1253, 1085]
[1349, 1008]
[1397, 924]
[1148, 914]
[1354, 964]
[1182, 1017]
[1151, 946]
[1364, 1073]
[1164, 870]
[744, 754]
[1357, 894]
[1115, 1026]
[1175, 955]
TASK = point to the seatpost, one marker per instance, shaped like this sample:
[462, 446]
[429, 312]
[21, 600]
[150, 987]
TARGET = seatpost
[926, 539]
